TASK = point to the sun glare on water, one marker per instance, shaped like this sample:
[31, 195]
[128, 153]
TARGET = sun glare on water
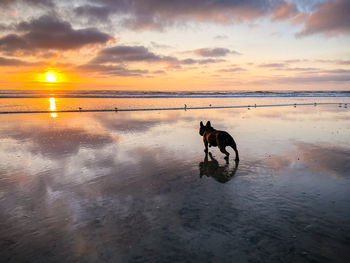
[53, 107]
[51, 77]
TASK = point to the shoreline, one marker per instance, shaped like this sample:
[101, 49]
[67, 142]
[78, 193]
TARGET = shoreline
[175, 108]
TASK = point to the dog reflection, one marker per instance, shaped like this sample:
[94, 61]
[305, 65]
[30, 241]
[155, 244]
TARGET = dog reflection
[211, 168]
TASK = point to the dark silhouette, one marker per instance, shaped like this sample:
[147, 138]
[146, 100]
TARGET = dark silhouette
[217, 138]
[211, 168]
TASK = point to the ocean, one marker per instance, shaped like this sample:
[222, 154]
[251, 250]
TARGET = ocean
[12, 101]
[167, 94]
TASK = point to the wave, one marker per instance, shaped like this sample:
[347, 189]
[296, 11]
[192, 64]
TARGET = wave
[165, 94]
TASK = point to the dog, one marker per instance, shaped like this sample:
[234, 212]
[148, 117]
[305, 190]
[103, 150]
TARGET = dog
[215, 138]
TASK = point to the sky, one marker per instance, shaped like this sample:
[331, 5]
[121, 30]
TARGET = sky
[175, 45]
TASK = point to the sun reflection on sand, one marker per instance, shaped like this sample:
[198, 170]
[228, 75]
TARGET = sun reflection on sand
[53, 107]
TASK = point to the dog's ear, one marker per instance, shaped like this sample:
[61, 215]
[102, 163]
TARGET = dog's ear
[201, 124]
[208, 124]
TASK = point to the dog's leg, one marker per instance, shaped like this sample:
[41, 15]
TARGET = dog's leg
[223, 150]
[205, 145]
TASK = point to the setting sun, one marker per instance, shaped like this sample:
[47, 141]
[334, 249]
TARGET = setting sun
[50, 77]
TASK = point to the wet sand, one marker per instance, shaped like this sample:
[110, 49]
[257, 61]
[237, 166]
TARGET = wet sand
[136, 187]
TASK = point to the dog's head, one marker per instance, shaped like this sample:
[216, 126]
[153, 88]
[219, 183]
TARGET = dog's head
[206, 128]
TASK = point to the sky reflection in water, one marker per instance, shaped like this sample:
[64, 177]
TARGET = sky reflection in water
[136, 187]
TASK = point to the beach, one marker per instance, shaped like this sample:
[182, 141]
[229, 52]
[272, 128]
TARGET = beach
[137, 186]
[119, 122]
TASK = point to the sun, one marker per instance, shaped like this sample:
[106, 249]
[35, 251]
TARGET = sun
[51, 76]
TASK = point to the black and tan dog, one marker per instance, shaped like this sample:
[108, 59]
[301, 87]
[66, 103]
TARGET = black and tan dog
[217, 138]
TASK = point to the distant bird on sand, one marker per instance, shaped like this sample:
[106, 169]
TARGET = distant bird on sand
[80, 108]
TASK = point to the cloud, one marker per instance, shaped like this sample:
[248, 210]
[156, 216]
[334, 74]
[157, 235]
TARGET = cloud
[333, 61]
[313, 79]
[301, 69]
[284, 66]
[112, 70]
[12, 42]
[157, 14]
[273, 65]
[343, 62]
[43, 3]
[318, 16]
[337, 71]
[124, 54]
[119, 54]
[284, 10]
[159, 72]
[3, 27]
[157, 45]
[49, 32]
[231, 70]
[101, 13]
[295, 60]
[112, 60]
[221, 37]
[14, 62]
[214, 52]
[190, 61]
[46, 3]
[306, 76]
[327, 17]
[331, 18]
